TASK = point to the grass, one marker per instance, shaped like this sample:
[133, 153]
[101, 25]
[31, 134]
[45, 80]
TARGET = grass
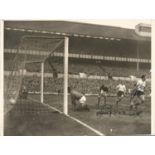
[32, 118]
[29, 118]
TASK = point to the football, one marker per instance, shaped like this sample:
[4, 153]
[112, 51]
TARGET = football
[12, 101]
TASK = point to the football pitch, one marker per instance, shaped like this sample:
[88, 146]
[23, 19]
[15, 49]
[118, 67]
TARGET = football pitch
[32, 118]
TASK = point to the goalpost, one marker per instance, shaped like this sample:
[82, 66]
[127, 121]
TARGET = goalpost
[66, 43]
[65, 105]
[49, 47]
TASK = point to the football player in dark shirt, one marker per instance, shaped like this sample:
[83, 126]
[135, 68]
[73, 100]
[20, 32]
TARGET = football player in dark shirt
[102, 93]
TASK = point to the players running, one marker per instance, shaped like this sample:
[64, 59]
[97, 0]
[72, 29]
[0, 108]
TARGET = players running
[138, 92]
[77, 99]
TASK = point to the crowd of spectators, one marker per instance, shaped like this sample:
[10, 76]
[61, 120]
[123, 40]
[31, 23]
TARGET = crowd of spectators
[91, 86]
[87, 86]
[88, 68]
[101, 70]
[33, 84]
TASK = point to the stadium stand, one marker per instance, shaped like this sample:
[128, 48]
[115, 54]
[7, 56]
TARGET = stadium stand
[88, 86]
[120, 43]
[124, 48]
[88, 67]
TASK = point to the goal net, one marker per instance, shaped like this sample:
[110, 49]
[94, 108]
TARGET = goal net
[36, 74]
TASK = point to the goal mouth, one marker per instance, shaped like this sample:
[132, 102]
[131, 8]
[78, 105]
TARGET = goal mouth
[38, 66]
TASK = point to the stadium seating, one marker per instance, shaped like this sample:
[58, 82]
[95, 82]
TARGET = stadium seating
[50, 85]
[94, 69]
[88, 86]
[109, 48]
[88, 67]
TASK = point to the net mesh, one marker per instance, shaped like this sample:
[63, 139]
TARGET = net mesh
[23, 80]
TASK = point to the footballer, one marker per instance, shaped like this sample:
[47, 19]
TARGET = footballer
[102, 93]
[139, 92]
[77, 99]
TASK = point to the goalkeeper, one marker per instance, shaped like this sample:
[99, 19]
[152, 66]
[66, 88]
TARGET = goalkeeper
[78, 100]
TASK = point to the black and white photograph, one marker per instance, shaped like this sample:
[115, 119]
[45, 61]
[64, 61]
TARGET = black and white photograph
[77, 77]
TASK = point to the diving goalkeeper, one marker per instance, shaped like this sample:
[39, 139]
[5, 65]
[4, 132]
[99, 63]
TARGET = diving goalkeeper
[78, 100]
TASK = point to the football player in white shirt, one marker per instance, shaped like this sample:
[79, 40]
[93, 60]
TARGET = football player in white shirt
[121, 90]
[140, 89]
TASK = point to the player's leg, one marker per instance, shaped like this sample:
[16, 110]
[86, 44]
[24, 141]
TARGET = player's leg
[98, 100]
[117, 101]
[133, 94]
[141, 99]
[120, 96]
[132, 102]
[73, 101]
[132, 99]
[105, 98]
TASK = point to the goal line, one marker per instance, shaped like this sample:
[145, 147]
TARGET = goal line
[73, 118]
